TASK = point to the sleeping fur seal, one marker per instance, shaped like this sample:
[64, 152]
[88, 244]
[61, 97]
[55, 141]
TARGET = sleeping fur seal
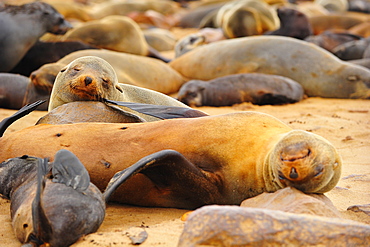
[51, 204]
[259, 89]
[22, 26]
[93, 79]
[115, 32]
[324, 75]
[189, 162]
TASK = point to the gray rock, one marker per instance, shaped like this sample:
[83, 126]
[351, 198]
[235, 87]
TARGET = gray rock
[237, 226]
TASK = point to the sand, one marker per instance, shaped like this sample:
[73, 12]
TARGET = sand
[344, 122]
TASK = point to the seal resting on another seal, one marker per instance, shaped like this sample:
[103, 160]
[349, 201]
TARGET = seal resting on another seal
[52, 204]
[324, 75]
[221, 159]
[91, 78]
[22, 26]
[259, 89]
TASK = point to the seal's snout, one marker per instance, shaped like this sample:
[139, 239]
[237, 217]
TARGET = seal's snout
[293, 158]
[88, 80]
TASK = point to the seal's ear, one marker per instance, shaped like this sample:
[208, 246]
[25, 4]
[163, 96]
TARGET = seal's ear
[170, 171]
[119, 88]
[68, 169]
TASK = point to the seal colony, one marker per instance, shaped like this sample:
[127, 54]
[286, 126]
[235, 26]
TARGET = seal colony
[231, 157]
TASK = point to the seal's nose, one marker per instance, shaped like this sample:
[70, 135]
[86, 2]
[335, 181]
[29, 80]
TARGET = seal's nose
[88, 80]
[293, 159]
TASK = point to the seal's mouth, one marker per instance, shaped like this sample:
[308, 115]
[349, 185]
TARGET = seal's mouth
[84, 94]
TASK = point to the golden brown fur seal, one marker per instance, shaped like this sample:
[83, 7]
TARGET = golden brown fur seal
[129, 68]
[93, 79]
[117, 33]
[220, 159]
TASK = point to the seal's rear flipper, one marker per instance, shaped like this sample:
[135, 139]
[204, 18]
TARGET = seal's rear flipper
[4, 124]
[179, 179]
[160, 111]
[69, 170]
[42, 231]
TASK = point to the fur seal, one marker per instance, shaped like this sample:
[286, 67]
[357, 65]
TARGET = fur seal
[352, 50]
[246, 18]
[231, 157]
[115, 32]
[93, 79]
[12, 90]
[107, 8]
[324, 75]
[52, 204]
[330, 39]
[194, 40]
[86, 111]
[47, 52]
[259, 89]
[293, 23]
[94, 111]
[158, 75]
[22, 26]
[321, 23]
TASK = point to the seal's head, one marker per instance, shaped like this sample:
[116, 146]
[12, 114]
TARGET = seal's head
[191, 93]
[305, 161]
[86, 78]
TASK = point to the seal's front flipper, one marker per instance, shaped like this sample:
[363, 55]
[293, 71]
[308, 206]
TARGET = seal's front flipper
[4, 124]
[179, 182]
[160, 111]
[68, 169]
[42, 230]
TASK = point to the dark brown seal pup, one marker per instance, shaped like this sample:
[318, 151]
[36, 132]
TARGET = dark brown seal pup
[331, 39]
[293, 23]
[259, 89]
[22, 26]
[230, 157]
[51, 204]
[12, 90]
[47, 52]
[351, 50]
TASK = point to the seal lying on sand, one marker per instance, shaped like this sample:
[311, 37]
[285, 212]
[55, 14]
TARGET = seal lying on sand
[129, 68]
[324, 75]
[52, 204]
[115, 32]
[220, 159]
[12, 90]
[22, 26]
[259, 89]
[93, 79]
